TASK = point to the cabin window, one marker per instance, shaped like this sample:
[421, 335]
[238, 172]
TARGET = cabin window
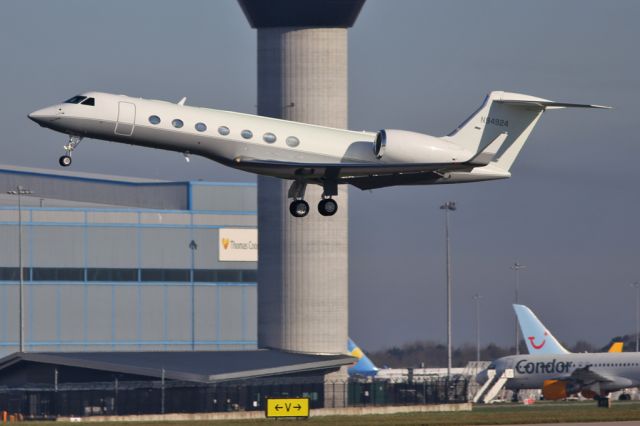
[223, 130]
[177, 123]
[247, 134]
[269, 137]
[292, 141]
[154, 119]
[89, 101]
[201, 127]
[75, 100]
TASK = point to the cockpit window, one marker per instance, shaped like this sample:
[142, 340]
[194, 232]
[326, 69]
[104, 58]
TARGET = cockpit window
[89, 101]
[75, 100]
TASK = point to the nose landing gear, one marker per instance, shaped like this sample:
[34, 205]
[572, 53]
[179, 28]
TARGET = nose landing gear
[65, 160]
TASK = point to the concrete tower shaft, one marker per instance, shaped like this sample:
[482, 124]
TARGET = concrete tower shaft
[303, 262]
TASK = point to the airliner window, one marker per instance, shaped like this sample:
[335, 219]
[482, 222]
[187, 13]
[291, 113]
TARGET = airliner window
[154, 119]
[247, 134]
[75, 100]
[292, 141]
[177, 123]
[269, 137]
[89, 101]
[201, 127]
[223, 130]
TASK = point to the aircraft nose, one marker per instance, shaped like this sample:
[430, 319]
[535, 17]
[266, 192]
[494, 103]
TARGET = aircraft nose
[44, 115]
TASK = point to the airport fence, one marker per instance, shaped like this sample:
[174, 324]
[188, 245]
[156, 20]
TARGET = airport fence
[156, 397]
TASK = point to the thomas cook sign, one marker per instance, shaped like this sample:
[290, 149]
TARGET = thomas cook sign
[238, 245]
[287, 407]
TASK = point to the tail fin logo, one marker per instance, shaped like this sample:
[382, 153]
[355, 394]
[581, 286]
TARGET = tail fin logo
[533, 343]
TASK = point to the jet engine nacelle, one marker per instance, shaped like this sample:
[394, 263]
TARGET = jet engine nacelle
[401, 146]
[558, 389]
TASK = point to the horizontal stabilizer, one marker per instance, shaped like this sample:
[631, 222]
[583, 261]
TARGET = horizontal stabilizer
[548, 104]
[485, 156]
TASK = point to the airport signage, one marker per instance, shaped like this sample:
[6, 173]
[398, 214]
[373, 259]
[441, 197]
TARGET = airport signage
[238, 245]
[287, 407]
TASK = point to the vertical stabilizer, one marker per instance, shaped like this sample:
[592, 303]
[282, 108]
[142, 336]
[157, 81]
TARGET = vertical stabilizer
[513, 114]
[364, 366]
[539, 340]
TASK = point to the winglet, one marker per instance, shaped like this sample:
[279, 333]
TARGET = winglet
[182, 101]
[484, 156]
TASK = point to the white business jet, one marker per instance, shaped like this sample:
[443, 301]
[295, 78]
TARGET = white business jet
[482, 148]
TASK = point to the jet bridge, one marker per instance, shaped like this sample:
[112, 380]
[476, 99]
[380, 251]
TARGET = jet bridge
[494, 384]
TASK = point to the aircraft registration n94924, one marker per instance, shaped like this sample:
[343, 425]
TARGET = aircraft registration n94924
[482, 148]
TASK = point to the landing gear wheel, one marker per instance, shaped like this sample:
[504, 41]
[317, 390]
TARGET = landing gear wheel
[299, 208]
[327, 207]
[65, 161]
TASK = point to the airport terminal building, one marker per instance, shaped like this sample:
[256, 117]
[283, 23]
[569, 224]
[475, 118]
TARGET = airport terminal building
[122, 264]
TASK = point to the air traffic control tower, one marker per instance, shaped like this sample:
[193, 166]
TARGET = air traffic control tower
[303, 271]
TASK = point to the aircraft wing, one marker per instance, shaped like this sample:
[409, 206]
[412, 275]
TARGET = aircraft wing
[342, 172]
[585, 376]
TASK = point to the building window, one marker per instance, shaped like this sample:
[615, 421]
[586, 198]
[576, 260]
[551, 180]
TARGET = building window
[58, 274]
[177, 123]
[154, 119]
[201, 127]
[269, 137]
[223, 130]
[247, 134]
[175, 275]
[112, 274]
[292, 141]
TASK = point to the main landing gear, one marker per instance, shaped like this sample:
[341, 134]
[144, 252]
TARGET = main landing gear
[300, 208]
[65, 160]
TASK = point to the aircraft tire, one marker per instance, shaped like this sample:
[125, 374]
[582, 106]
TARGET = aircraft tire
[327, 207]
[65, 161]
[299, 208]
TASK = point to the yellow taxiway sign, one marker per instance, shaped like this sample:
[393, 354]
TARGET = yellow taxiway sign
[287, 407]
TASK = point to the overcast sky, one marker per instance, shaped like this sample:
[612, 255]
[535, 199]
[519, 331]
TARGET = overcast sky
[569, 213]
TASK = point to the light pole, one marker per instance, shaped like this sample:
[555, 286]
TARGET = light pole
[447, 207]
[636, 285]
[477, 298]
[516, 267]
[193, 247]
[20, 191]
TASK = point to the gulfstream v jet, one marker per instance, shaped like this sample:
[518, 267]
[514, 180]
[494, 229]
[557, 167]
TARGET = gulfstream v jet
[482, 148]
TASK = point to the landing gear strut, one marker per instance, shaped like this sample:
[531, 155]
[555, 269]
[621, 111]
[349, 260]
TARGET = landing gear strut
[65, 160]
[300, 208]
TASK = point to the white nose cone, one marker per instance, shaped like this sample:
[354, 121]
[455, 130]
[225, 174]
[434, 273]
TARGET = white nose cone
[44, 115]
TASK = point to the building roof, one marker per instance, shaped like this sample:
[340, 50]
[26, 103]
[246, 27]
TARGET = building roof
[53, 188]
[301, 13]
[198, 366]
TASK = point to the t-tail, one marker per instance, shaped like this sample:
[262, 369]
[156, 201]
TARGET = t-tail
[364, 366]
[539, 340]
[498, 130]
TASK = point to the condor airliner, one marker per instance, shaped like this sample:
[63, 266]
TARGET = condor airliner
[482, 148]
[560, 373]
